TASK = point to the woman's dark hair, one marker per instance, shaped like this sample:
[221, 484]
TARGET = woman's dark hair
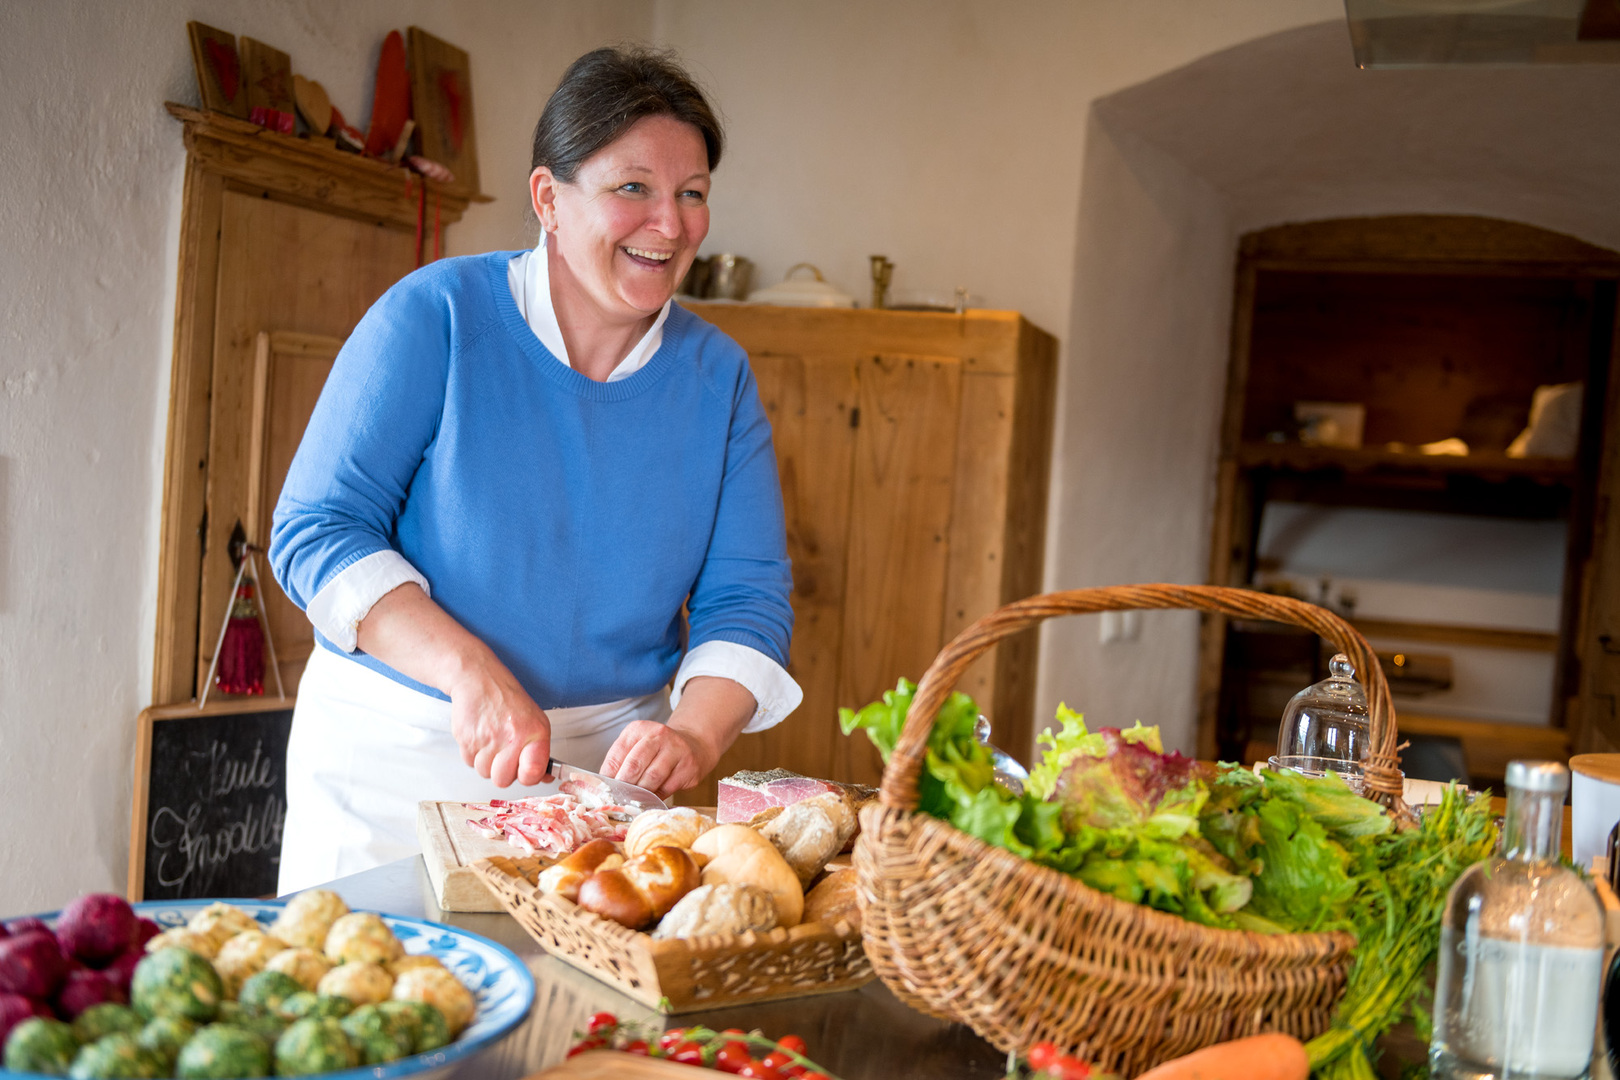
[607, 90]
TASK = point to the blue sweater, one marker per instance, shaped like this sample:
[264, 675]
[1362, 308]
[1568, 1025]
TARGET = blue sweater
[563, 521]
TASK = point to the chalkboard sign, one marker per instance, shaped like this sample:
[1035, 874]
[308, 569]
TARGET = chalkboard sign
[210, 800]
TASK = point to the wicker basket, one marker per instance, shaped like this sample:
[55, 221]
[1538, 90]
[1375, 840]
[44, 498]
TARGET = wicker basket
[972, 933]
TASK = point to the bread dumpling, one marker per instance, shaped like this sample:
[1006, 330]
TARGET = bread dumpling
[741, 856]
[441, 989]
[308, 917]
[721, 908]
[399, 967]
[362, 938]
[306, 966]
[183, 937]
[245, 955]
[220, 922]
[361, 983]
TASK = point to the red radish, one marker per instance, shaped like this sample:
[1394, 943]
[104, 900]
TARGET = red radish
[18, 927]
[1259, 1057]
[31, 964]
[122, 969]
[84, 989]
[96, 928]
[15, 1008]
[145, 930]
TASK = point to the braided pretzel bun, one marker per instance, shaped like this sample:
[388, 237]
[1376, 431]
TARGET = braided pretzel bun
[643, 889]
[564, 877]
[676, 827]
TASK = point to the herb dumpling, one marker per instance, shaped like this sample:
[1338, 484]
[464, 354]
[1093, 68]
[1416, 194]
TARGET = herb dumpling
[441, 989]
[362, 938]
[307, 966]
[308, 918]
[220, 922]
[245, 955]
[361, 983]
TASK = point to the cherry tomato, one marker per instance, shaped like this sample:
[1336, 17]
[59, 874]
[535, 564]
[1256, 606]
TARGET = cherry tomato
[1042, 1055]
[603, 1020]
[688, 1053]
[732, 1057]
[671, 1039]
[637, 1046]
[758, 1070]
[792, 1043]
[815, 1076]
[1072, 1068]
[587, 1044]
[776, 1060]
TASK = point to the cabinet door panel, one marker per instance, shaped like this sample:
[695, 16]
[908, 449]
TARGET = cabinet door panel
[900, 518]
[287, 268]
[809, 400]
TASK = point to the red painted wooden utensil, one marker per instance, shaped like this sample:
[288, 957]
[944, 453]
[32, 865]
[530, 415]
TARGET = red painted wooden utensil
[391, 104]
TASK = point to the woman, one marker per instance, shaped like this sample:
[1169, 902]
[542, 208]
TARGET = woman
[520, 469]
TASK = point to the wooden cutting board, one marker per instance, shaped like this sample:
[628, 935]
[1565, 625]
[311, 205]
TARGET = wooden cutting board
[613, 1065]
[449, 848]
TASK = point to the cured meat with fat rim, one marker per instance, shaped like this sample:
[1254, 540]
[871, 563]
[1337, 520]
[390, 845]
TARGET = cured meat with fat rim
[552, 825]
[746, 793]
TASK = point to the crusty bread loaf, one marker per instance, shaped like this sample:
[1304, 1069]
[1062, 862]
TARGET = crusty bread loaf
[564, 877]
[676, 827]
[721, 908]
[810, 832]
[741, 856]
[643, 889]
[833, 898]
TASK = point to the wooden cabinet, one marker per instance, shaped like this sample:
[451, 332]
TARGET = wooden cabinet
[914, 452]
[1441, 327]
[284, 244]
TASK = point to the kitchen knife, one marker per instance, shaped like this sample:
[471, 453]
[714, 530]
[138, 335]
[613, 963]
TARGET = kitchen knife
[617, 791]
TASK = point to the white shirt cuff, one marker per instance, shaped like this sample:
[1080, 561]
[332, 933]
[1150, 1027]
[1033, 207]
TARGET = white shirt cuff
[773, 688]
[337, 609]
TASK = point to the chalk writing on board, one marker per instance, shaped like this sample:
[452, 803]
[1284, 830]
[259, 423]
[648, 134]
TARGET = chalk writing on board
[189, 845]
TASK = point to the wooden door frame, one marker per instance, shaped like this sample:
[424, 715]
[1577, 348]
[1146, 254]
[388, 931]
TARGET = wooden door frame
[1401, 244]
[226, 154]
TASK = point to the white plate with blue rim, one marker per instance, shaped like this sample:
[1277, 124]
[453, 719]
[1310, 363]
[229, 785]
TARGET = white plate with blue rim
[502, 988]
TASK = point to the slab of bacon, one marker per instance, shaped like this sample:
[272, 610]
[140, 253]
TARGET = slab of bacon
[553, 825]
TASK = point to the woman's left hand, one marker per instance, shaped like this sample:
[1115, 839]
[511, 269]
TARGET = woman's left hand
[666, 758]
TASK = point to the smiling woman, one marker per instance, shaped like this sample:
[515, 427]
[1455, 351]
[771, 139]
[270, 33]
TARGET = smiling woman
[522, 468]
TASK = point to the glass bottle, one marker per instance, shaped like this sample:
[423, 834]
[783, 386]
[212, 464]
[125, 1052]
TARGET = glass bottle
[1521, 950]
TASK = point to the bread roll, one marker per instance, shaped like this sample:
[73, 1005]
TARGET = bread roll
[832, 899]
[719, 909]
[741, 856]
[565, 876]
[677, 827]
[643, 889]
[810, 832]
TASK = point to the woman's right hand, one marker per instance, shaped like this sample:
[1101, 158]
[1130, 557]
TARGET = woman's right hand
[502, 733]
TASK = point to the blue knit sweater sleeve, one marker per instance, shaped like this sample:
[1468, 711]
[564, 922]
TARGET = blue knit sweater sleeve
[741, 594]
[375, 418]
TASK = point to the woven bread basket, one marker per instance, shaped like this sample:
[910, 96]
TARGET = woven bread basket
[975, 934]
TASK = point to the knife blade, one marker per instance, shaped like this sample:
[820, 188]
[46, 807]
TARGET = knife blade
[617, 791]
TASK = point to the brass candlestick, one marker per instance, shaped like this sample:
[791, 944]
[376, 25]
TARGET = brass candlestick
[882, 272]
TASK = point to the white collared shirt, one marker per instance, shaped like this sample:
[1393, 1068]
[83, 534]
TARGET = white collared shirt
[336, 611]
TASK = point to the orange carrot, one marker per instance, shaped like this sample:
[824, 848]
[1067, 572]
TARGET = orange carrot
[1259, 1057]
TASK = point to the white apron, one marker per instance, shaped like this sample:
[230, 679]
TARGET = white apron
[364, 750]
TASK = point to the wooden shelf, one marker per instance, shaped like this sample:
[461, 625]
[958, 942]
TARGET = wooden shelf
[1300, 458]
[314, 172]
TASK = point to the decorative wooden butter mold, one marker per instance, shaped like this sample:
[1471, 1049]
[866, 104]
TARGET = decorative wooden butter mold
[681, 974]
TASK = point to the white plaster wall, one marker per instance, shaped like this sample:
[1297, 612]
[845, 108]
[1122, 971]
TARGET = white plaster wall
[90, 192]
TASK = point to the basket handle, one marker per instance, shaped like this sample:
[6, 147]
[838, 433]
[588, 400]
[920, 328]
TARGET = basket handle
[1382, 775]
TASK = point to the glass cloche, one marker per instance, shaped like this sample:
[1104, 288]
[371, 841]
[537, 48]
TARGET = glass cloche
[1325, 727]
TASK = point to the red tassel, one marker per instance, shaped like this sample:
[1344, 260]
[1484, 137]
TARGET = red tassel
[241, 654]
